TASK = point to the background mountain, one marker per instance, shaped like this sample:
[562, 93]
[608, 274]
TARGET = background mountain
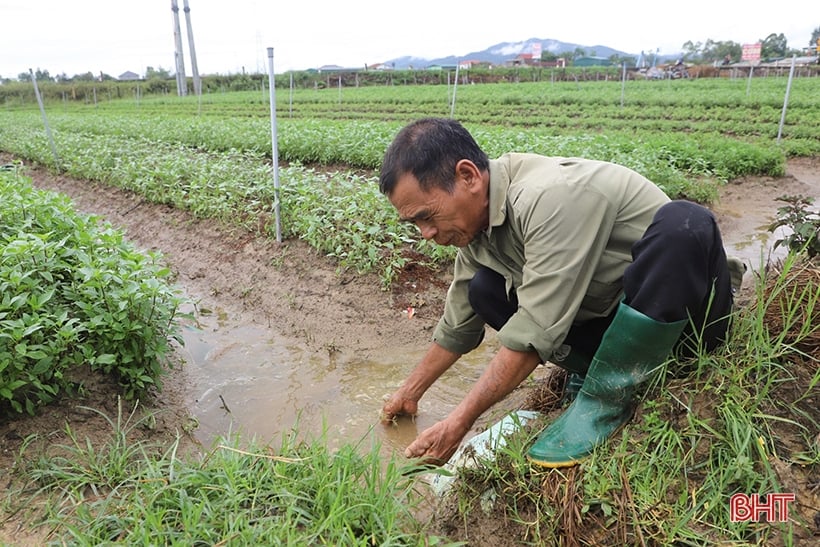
[507, 51]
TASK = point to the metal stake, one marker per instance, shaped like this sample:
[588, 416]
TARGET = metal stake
[274, 147]
[45, 120]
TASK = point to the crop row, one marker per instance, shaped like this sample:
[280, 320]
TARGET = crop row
[665, 157]
[220, 168]
[735, 109]
[729, 94]
[705, 93]
[340, 214]
[211, 155]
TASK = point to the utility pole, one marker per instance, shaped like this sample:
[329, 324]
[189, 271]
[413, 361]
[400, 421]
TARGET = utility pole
[194, 70]
[182, 84]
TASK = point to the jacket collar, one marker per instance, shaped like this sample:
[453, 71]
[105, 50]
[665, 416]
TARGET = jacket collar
[499, 184]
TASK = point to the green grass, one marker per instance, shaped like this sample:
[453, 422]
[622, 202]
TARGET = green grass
[743, 421]
[743, 416]
[138, 493]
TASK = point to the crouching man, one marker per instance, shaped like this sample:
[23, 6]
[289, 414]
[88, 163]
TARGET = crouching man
[582, 263]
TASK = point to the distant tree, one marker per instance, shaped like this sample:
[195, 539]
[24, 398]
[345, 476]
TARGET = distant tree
[87, 77]
[618, 60]
[548, 56]
[39, 74]
[692, 52]
[774, 46]
[814, 42]
[713, 51]
[729, 49]
[159, 73]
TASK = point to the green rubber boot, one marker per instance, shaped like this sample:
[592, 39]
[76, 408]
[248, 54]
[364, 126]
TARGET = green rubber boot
[632, 348]
[577, 366]
[572, 388]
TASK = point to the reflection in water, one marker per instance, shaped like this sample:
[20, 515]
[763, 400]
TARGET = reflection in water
[756, 249]
[248, 380]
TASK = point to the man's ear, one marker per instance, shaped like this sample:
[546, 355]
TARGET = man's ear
[467, 172]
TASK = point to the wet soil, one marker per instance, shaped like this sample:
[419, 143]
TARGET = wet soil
[337, 316]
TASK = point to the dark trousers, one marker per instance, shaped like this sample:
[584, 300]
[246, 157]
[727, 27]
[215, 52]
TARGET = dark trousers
[678, 271]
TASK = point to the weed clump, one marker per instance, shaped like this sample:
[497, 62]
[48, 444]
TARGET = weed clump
[790, 304]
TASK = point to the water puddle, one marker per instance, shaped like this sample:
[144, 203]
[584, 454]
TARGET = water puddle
[756, 248]
[248, 380]
[748, 212]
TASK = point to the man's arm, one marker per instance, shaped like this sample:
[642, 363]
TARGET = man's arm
[504, 373]
[404, 402]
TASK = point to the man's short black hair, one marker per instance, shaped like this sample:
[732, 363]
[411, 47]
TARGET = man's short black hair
[429, 149]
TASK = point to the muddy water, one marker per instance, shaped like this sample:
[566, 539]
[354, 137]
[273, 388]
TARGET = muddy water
[757, 247]
[746, 210]
[248, 380]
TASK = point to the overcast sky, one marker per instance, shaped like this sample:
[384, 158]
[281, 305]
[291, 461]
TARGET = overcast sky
[75, 37]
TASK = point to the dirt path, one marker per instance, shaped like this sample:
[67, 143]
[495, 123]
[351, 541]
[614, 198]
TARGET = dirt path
[287, 287]
[301, 295]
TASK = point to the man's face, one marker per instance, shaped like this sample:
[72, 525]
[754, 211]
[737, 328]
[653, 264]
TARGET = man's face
[446, 218]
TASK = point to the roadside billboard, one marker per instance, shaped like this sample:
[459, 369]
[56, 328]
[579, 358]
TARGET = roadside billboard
[751, 52]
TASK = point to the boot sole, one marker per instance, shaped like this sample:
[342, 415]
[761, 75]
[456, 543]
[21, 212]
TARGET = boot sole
[554, 465]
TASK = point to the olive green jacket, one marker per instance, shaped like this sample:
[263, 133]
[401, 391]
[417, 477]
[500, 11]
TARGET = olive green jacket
[561, 232]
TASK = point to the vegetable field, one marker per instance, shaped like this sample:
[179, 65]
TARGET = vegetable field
[211, 154]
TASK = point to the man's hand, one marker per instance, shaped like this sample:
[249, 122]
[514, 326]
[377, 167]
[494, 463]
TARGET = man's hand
[506, 371]
[438, 443]
[405, 401]
[398, 405]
